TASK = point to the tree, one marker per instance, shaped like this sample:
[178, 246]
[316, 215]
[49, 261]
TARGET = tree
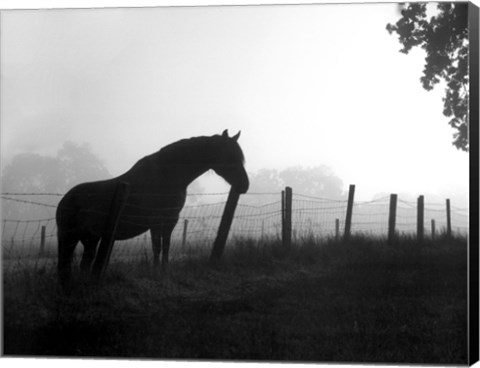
[77, 163]
[444, 37]
[319, 181]
[30, 172]
[34, 173]
[73, 164]
[266, 181]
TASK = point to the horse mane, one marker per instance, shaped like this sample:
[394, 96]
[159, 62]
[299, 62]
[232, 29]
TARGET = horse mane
[185, 149]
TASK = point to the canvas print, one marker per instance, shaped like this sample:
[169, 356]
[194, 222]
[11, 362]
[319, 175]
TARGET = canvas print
[277, 183]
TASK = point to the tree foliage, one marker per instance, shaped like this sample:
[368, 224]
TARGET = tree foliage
[73, 164]
[34, 173]
[319, 181]
[444, 37]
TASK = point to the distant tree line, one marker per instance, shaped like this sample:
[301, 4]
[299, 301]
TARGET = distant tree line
[73, 164]
[35, 173]
[76, 163]
[318, 181]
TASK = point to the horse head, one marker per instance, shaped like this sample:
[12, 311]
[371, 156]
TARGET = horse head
[229, 161]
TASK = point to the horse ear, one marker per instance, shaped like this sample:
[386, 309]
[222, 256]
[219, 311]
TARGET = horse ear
[236, 136]
[225, 133]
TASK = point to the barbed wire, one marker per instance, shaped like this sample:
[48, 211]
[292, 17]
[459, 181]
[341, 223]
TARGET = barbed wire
[8, 195]
[52, 194]
[30, 194]
[259, 218]
[29, 202]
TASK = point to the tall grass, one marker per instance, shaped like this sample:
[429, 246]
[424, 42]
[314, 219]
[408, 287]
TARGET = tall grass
[318, 300]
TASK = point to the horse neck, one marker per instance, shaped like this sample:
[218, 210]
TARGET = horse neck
[185, 163]
[188, 173]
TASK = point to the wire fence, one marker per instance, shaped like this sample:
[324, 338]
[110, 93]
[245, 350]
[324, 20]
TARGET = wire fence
[29, 226]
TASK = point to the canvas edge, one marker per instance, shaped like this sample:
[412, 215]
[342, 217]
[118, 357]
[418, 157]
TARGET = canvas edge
[473, 301]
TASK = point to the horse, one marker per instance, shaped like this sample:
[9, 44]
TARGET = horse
[158, 189]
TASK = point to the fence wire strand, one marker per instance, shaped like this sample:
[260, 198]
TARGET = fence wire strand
[258, 216]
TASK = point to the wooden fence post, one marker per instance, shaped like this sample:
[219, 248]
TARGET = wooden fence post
[287, 222]
[283, 214]
[420, 217]
[225, 224]
[433, 229]
[105, 249]
[42, 241]
[392, 215]
[184, 237]
[449, 219]
[348, 219]
[337, 229]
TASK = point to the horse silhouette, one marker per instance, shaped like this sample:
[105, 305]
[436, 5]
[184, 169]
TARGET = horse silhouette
[158, 188]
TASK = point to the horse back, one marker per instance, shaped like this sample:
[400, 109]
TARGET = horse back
[153, 199]
[85, 206]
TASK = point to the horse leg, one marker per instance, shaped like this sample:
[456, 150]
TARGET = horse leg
[89, 251]
[165, 249]
[66, 247]
[156, 245]
[166, 235]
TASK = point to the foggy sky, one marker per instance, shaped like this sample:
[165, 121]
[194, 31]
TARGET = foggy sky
[307, 85]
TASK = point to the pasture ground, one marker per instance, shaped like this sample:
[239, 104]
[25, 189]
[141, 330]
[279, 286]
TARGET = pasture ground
[320, 301]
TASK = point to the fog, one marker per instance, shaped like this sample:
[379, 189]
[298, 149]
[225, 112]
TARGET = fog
[308, 86]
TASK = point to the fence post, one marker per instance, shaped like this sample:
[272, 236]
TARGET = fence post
[348, 219]
[420, 217]
[42, 241]
[337, 229]
[225, 224]
[392, 216]
[449, 219]
[433, 229]
[287, 222]
[283, 214]
[105, 249]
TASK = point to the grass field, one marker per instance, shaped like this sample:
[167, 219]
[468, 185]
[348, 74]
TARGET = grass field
[320, 301]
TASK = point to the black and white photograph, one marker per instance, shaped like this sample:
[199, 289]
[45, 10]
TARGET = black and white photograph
[240, 182]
